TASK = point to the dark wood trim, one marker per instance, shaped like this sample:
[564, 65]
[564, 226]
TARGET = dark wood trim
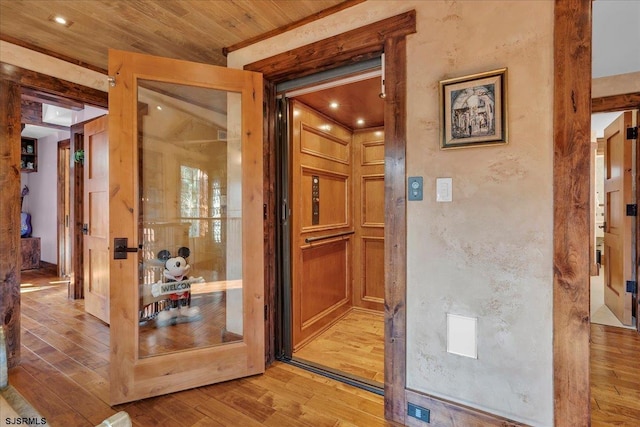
[445, 413]
[47, 98]
[65, 58]
[347, 48]
[52, 85]
[269, 199]
[627, 101]
[32, 114]
[637, 242]
[395, 230]
[62, 145]
[280, 30]
[10, 218]
[47, 84]
[76, 197]
[388, 36]
[572, 123]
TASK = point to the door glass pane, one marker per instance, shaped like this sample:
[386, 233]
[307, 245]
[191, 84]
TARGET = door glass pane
[190, 290]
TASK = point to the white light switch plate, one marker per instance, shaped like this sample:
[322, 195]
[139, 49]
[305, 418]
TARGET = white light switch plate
[444, 188]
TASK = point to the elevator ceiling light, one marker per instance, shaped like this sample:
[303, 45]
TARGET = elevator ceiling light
[360, 122]
[334, 105]
[60, 20]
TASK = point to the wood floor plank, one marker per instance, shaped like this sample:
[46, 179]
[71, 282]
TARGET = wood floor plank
[64, 374]
[86, 404]
[615, 377]
[353, 345]
[51, 406]
[65, 367]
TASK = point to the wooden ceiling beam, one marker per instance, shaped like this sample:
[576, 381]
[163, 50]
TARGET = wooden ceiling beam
[51, 99]
[31, 111]
[31, 114]
[627, 101]
[54, 86]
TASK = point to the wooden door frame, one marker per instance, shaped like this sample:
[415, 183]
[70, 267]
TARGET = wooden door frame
[12, 81]
[388, 36]
[62, 197]
[613, 103]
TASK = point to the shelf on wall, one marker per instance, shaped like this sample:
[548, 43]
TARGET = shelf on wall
[28, 155]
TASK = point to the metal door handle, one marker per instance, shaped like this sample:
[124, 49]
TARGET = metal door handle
[121, 248]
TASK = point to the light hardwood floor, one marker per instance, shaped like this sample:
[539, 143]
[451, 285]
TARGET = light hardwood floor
[354, 345]
[615, 376]
[65, 366]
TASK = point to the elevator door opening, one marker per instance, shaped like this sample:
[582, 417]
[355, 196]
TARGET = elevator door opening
[334, 193]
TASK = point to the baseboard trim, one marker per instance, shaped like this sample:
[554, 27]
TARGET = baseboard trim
[449, 414]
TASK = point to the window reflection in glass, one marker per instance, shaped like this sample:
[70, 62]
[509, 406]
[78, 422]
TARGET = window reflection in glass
[190, 167]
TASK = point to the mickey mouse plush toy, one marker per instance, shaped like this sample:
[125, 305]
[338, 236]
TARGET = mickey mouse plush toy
[175, 270]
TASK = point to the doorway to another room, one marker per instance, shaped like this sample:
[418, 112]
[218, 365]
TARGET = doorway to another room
[48, 182]
[332, 193]
[613, 273]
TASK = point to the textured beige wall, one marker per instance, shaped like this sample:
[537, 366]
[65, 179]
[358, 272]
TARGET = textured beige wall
[487, 254]
[615, 85]
[36, 61]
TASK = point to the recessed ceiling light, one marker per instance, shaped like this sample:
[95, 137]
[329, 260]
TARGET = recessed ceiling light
[60, 20]
[159, 108]
[360, 122]
[334, 105]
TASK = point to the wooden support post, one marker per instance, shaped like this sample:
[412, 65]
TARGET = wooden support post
[10, 218]
[572, 123]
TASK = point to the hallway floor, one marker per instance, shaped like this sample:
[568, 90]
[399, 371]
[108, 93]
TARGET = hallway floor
[65, 366]
[64, 374]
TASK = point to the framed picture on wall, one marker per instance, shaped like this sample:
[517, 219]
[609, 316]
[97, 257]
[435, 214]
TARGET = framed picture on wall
[474, 110]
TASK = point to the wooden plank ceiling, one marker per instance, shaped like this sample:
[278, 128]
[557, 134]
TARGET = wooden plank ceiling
[193, 30]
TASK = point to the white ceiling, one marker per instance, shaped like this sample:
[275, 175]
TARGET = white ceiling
[616, 37]
[61, 117]
[616, 46]
[37, 132]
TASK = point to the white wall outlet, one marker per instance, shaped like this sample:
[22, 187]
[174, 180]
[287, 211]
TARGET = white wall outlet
[462, 335]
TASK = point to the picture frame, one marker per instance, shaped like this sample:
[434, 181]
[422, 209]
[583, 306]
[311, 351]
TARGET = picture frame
[474, 110]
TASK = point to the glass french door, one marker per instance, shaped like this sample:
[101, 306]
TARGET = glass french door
[185, 225]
